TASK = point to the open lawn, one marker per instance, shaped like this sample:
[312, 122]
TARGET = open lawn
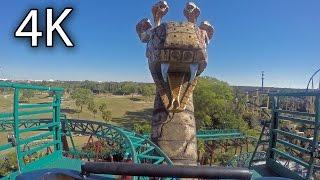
[5, 103]
[125, 110]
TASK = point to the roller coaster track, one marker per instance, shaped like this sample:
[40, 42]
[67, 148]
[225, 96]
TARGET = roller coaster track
[140, 148]
[217, 134]
[311, 81]
[136, 146]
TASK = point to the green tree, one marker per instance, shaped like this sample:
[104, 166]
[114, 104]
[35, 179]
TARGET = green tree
[94, 111]
[92, 108]
[27, 95]
[129, 88]
[142, 128]
[82, 97]
[250, 119]
[147, 90]
[106, 115]
[102, 107]
[214, 105]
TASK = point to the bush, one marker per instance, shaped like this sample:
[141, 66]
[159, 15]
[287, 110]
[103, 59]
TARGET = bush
[106, 115]
[142, 128]
[8, 164]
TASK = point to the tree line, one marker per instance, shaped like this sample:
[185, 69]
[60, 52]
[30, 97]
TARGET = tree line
[217, 104]
[117, 88]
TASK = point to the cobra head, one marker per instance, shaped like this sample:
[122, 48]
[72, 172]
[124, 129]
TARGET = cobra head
[176, 53]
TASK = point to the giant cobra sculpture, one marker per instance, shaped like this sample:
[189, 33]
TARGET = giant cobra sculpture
[177, 55]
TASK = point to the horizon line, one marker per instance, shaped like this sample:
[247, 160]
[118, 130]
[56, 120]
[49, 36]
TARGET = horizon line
[52, 80]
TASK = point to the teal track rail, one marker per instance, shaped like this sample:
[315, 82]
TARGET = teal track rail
[29, 86]
[136, 146]
[263, 140]
[217, 134]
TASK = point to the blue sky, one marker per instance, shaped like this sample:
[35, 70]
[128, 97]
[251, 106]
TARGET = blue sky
[281, 37]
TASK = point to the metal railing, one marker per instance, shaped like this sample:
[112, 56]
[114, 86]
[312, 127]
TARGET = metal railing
[290, 146]
[163, 171]
[43, 137]
[217, 134]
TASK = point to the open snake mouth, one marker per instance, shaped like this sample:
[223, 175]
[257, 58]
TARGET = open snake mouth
[177, 55]
[178, 85]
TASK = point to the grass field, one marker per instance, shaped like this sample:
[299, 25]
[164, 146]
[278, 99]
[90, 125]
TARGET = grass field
[6, 103]
[125, 109]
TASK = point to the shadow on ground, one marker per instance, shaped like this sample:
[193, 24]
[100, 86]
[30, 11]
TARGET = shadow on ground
[135, 99]
[131, 117]
[69, 111]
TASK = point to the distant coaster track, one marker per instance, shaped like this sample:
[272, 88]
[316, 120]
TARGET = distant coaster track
[312, 79]
[217, 134]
